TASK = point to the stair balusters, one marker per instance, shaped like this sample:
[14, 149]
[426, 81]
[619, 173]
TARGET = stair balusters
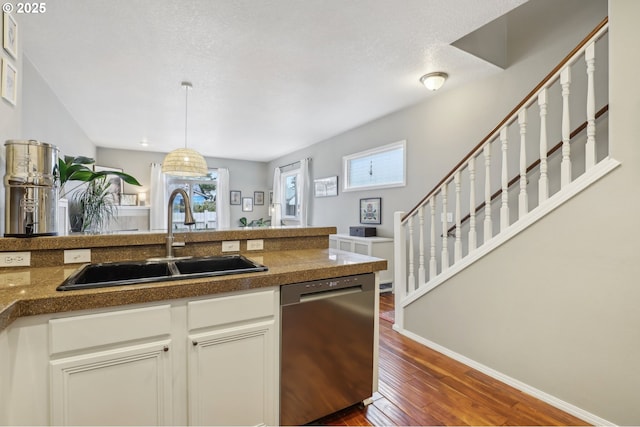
[547, 165]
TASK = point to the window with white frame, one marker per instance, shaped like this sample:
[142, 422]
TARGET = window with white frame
[290, 193]
[381, 167]
[202, 194]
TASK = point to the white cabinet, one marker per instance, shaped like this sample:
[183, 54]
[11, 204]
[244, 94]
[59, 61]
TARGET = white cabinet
[210, 361]
[237, 349]
[379, 247]
[124, 386]
[112, 368]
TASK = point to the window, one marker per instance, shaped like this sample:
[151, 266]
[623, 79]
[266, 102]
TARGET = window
[202, 193]
[290, 194]
[381, 167]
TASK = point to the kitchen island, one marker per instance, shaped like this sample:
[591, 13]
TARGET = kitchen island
[182, 351]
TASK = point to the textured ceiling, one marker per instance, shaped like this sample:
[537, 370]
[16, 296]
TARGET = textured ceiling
[269, 76]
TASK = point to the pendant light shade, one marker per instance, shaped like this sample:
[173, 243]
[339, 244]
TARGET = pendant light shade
[185, 161]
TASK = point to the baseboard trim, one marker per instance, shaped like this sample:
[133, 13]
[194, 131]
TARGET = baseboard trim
[526, 388]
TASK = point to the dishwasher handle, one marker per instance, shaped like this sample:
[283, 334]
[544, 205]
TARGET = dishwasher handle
[329, 294]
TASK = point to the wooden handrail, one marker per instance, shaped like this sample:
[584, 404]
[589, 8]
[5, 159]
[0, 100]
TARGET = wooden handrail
[532, 166]
[509, 116]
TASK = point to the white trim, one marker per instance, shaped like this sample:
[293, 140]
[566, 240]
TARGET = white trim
[585, 180]
[526, 388]
[346, 184]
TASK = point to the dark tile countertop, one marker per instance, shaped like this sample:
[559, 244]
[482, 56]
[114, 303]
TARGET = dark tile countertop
[32, 291]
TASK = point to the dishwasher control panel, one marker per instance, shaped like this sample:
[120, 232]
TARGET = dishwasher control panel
[291, 294]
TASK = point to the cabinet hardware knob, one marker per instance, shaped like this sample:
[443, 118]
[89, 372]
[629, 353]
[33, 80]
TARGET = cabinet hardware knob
[166, 348]
[195, 343]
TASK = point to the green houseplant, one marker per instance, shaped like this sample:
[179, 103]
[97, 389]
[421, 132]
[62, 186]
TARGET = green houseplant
[92, 206]
[75, 169]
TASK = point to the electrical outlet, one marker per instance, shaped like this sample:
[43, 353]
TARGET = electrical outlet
[15, 259]
[74, 256]
[255, 245]
[231, 246]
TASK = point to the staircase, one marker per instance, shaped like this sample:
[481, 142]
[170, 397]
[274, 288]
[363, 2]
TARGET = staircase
[550, 147]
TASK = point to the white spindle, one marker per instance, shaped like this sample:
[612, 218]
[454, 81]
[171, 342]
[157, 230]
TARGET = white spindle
[473, 234]
[421, 274]
[523, 199]
[504, 208]
[411, 280]
[433, 265]
[543, 186]
[488, 226]
[590, 154]
[458, 242]
[445, 226]
[565, 166]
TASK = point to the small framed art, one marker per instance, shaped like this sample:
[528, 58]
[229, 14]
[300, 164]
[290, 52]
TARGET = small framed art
[10, 35]
[258, 198]
[128, 199]
[9, 82]
[325, 187]
[235, 197]
[371, 211]
[247, 204]
[116, 184]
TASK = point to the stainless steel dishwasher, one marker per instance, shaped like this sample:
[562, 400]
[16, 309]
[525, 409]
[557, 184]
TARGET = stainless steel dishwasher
[326, 346]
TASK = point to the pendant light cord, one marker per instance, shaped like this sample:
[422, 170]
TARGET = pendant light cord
[186, 85]
[186, 111]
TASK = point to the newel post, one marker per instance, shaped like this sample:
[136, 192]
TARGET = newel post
[400, 268]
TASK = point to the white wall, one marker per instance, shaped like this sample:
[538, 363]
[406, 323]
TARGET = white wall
[449, 123]
[557, 306]
[244, 176]
[46, 119]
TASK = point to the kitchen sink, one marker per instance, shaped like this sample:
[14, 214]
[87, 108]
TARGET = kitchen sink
[133, 272]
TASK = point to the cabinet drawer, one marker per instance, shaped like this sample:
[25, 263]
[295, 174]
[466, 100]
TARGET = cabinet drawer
[93, 330]
[230, 309]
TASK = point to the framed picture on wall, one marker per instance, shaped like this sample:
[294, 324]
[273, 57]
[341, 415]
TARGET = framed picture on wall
[371, 211]
[235, 197]
[10, 34]
[9, 82]
[247, 204]
[258, 198]
[116, 185]
[325, 187]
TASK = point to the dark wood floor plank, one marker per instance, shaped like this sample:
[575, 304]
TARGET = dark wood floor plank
[397, 416]
[419, 386]
[415, 412]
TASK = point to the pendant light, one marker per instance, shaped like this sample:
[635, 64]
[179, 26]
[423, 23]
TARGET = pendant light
[185, 161]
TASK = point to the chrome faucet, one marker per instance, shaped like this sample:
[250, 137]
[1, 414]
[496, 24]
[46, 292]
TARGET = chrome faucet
[188, 219]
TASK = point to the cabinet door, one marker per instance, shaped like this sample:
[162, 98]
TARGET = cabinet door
[124, 386]
[232, 377]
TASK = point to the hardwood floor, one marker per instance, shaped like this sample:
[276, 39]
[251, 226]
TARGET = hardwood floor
[419, 386]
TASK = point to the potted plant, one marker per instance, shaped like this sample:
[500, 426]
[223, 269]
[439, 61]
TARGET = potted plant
[93, 206]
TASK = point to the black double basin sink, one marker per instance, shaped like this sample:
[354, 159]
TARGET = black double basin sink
[108, 274]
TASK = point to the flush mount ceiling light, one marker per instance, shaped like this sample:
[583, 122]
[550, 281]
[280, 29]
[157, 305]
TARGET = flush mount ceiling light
[185, 161]
[433, 81]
